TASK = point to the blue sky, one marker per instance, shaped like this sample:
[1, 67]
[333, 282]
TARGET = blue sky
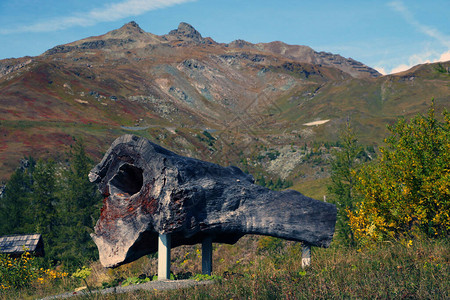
[388, 35]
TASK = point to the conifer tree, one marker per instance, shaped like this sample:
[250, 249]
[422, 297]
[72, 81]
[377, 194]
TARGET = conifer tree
[79, 209]
[12, 204]
[15, 214]
[44, 194]
[343, 179]
[44, 201]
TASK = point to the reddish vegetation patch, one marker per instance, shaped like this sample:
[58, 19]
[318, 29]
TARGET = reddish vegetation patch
[39, 142]
[85, 121]
[12, 112]
[3, 147]
[61, 138]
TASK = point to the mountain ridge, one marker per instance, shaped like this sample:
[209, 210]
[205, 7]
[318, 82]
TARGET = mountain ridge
[172, 88]
[131, 35]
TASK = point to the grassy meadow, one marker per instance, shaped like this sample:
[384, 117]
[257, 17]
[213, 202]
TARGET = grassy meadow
[269, 268]
[402, 250]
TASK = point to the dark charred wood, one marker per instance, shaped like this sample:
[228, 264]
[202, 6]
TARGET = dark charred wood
[149, 190]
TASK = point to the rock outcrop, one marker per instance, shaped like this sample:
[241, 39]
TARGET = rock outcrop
[186, 30]
[305, 54]
[13, 64]
[149, 190]
[131, 37]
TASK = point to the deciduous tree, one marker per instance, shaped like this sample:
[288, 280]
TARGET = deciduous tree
[408, 189]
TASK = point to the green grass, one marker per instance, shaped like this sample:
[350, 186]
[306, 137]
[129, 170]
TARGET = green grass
[252, 269]
[313, 188]
[420, 271]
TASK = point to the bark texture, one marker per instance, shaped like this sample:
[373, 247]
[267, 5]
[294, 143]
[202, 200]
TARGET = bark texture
[149, 190]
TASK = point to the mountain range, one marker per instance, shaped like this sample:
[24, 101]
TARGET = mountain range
[234, 103]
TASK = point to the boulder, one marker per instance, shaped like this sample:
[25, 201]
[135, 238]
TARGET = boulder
[149, 190]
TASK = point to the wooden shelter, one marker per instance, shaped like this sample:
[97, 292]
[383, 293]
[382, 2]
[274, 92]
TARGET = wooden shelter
[16, 245]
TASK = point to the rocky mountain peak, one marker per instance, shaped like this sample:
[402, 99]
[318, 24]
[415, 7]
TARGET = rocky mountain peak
[131, 36]
[129, 29]
[128, 36]
[240, 44]
[134, 24]
[186, 30]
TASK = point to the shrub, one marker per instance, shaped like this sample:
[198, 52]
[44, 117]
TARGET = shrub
[408, 190]
[16, 272]
[270, 244]
[82, 273]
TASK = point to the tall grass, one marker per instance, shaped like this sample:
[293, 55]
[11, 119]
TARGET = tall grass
[24, 278]
[257, 269]
[417, 271]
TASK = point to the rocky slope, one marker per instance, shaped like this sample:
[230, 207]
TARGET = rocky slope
[227, 103]
[305, 54]
[131, 36]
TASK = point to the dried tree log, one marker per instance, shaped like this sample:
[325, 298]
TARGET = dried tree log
[149, 190]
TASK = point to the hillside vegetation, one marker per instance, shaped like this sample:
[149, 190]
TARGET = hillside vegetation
[377, 260]
[56, 200]
[173, 88]
[290, 116]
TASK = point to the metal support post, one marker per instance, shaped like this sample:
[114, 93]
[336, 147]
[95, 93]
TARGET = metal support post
[164, 257]
[306, 255]
[207, 255]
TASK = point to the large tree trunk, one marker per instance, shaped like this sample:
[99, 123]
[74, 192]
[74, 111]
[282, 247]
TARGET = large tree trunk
[149, 190]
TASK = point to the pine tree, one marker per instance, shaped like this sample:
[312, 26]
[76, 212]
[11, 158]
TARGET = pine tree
[79, 210]
[15, 216]
[12, 204]
[59, 203]
[44, 195]
[262, 181]
[343, 179]
[43, 204]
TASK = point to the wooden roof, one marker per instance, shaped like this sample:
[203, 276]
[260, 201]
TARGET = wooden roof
[17, 244]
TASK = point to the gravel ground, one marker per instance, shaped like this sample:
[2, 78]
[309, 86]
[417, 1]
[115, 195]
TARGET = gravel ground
[149, 286]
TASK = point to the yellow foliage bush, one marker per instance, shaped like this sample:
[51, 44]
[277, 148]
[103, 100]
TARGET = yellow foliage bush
[408, 190]
[16, 272]
[21, 272]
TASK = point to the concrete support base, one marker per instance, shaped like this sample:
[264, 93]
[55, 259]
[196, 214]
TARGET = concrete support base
[207, 256]
[164, 257]
[306, 256]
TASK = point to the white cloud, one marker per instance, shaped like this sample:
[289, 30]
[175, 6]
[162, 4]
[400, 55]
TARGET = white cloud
[445, 56]
[426, 56]
[422, 58]
[427, 30]
[400, 68]
[381, 70]
[110, 12]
